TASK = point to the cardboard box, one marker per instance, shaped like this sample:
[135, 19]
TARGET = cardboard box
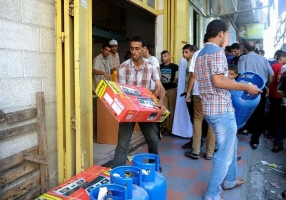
[128, 103]
[79, 186]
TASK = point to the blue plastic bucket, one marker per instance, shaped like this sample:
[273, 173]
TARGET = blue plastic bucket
[244, 103]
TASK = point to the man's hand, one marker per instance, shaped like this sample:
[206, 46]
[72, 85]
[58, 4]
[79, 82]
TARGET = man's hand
[176, 80]
[188, 97]
[112, 70]
[267, 92]
[107, 76]
[253, 89]
[162, 108]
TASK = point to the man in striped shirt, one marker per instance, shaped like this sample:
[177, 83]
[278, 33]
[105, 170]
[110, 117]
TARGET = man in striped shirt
[138, 71]
[214, 85]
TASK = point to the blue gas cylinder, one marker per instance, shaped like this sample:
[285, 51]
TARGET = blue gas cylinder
[244, 103]
[153, 182]
[130, 177]
[114, 192]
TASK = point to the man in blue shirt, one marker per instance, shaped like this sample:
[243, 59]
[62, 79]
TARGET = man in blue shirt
[258, 64]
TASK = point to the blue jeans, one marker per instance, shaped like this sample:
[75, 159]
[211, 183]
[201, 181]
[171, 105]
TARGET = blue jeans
[224, 169]
[150, 132]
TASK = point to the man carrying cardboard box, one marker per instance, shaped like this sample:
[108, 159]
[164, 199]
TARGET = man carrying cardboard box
[138, 71]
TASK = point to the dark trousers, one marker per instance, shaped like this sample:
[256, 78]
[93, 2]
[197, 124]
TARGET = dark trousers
[281, 128]
[150, 132]
[256, 122]
[275, 106]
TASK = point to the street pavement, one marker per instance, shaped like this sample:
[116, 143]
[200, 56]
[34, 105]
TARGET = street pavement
[265, 182]
[187, 179]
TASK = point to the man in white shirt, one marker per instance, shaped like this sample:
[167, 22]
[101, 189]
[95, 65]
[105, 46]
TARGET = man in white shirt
[193, 95]
[148, 54]
[113, 57]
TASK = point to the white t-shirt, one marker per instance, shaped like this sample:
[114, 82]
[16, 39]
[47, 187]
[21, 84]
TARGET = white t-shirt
[192, 69]
[155, 61]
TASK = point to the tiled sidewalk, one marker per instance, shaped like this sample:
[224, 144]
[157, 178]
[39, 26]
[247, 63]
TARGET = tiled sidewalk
[187, 179]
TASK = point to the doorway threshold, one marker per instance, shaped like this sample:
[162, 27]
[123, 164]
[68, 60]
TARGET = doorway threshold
[103, 153]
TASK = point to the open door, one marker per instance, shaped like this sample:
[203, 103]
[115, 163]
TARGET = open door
[74, 89]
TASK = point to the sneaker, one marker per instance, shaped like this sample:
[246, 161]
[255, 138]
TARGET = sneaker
[207, 157]
[192, 155]
[188, 145]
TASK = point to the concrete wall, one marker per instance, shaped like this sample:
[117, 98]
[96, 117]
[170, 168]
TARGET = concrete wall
[27, 66]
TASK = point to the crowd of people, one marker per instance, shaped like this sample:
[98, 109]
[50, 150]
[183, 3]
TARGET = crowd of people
[197, 93]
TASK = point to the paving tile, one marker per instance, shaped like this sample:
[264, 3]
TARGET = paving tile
[234, 193]
[173, 152]
[240, 171]
[241, 162]
[203, 176]
[193, 197]
[207, 166]
[198, 188]
[163, 144]
[165, 169]
[242, 148]
[190, 163]
[183, 172]
[172, 195]
[170, 160]
[178, 184]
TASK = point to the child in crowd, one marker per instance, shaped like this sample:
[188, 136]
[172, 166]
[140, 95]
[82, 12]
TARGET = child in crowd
[232, 75]
[169, 81]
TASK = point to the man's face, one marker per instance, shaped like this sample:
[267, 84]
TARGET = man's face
[114, 48]
[187, 54]
[283, 59]
[136, 50]
[222, 38]
[165, 58]
[235, 52]
[105, 52]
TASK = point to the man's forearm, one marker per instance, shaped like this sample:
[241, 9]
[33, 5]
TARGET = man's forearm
[97, 72]
[161, 95]
[191, 83]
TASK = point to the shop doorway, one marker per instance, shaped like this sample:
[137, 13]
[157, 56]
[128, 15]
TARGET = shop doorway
[119, 20]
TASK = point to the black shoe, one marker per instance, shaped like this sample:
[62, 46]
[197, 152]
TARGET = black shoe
[192, 155]
[188, 145]
[207, 158]
[277, 149]
[253, 146]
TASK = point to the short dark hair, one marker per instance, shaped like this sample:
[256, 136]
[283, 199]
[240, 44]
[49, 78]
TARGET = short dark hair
[139, 39]
[190, 47]
[233, 67]
[105, 45]
[213, 28]
[150, 49]
[249, 47]
[165, 52]
[281, 54]
[277, 53]
[262, 51]
[228, 48]
[235, 46]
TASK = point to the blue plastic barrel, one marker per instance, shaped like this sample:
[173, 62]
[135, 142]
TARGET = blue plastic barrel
[244, 103]
[153, 182]
[115, 192]
[130, 177]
